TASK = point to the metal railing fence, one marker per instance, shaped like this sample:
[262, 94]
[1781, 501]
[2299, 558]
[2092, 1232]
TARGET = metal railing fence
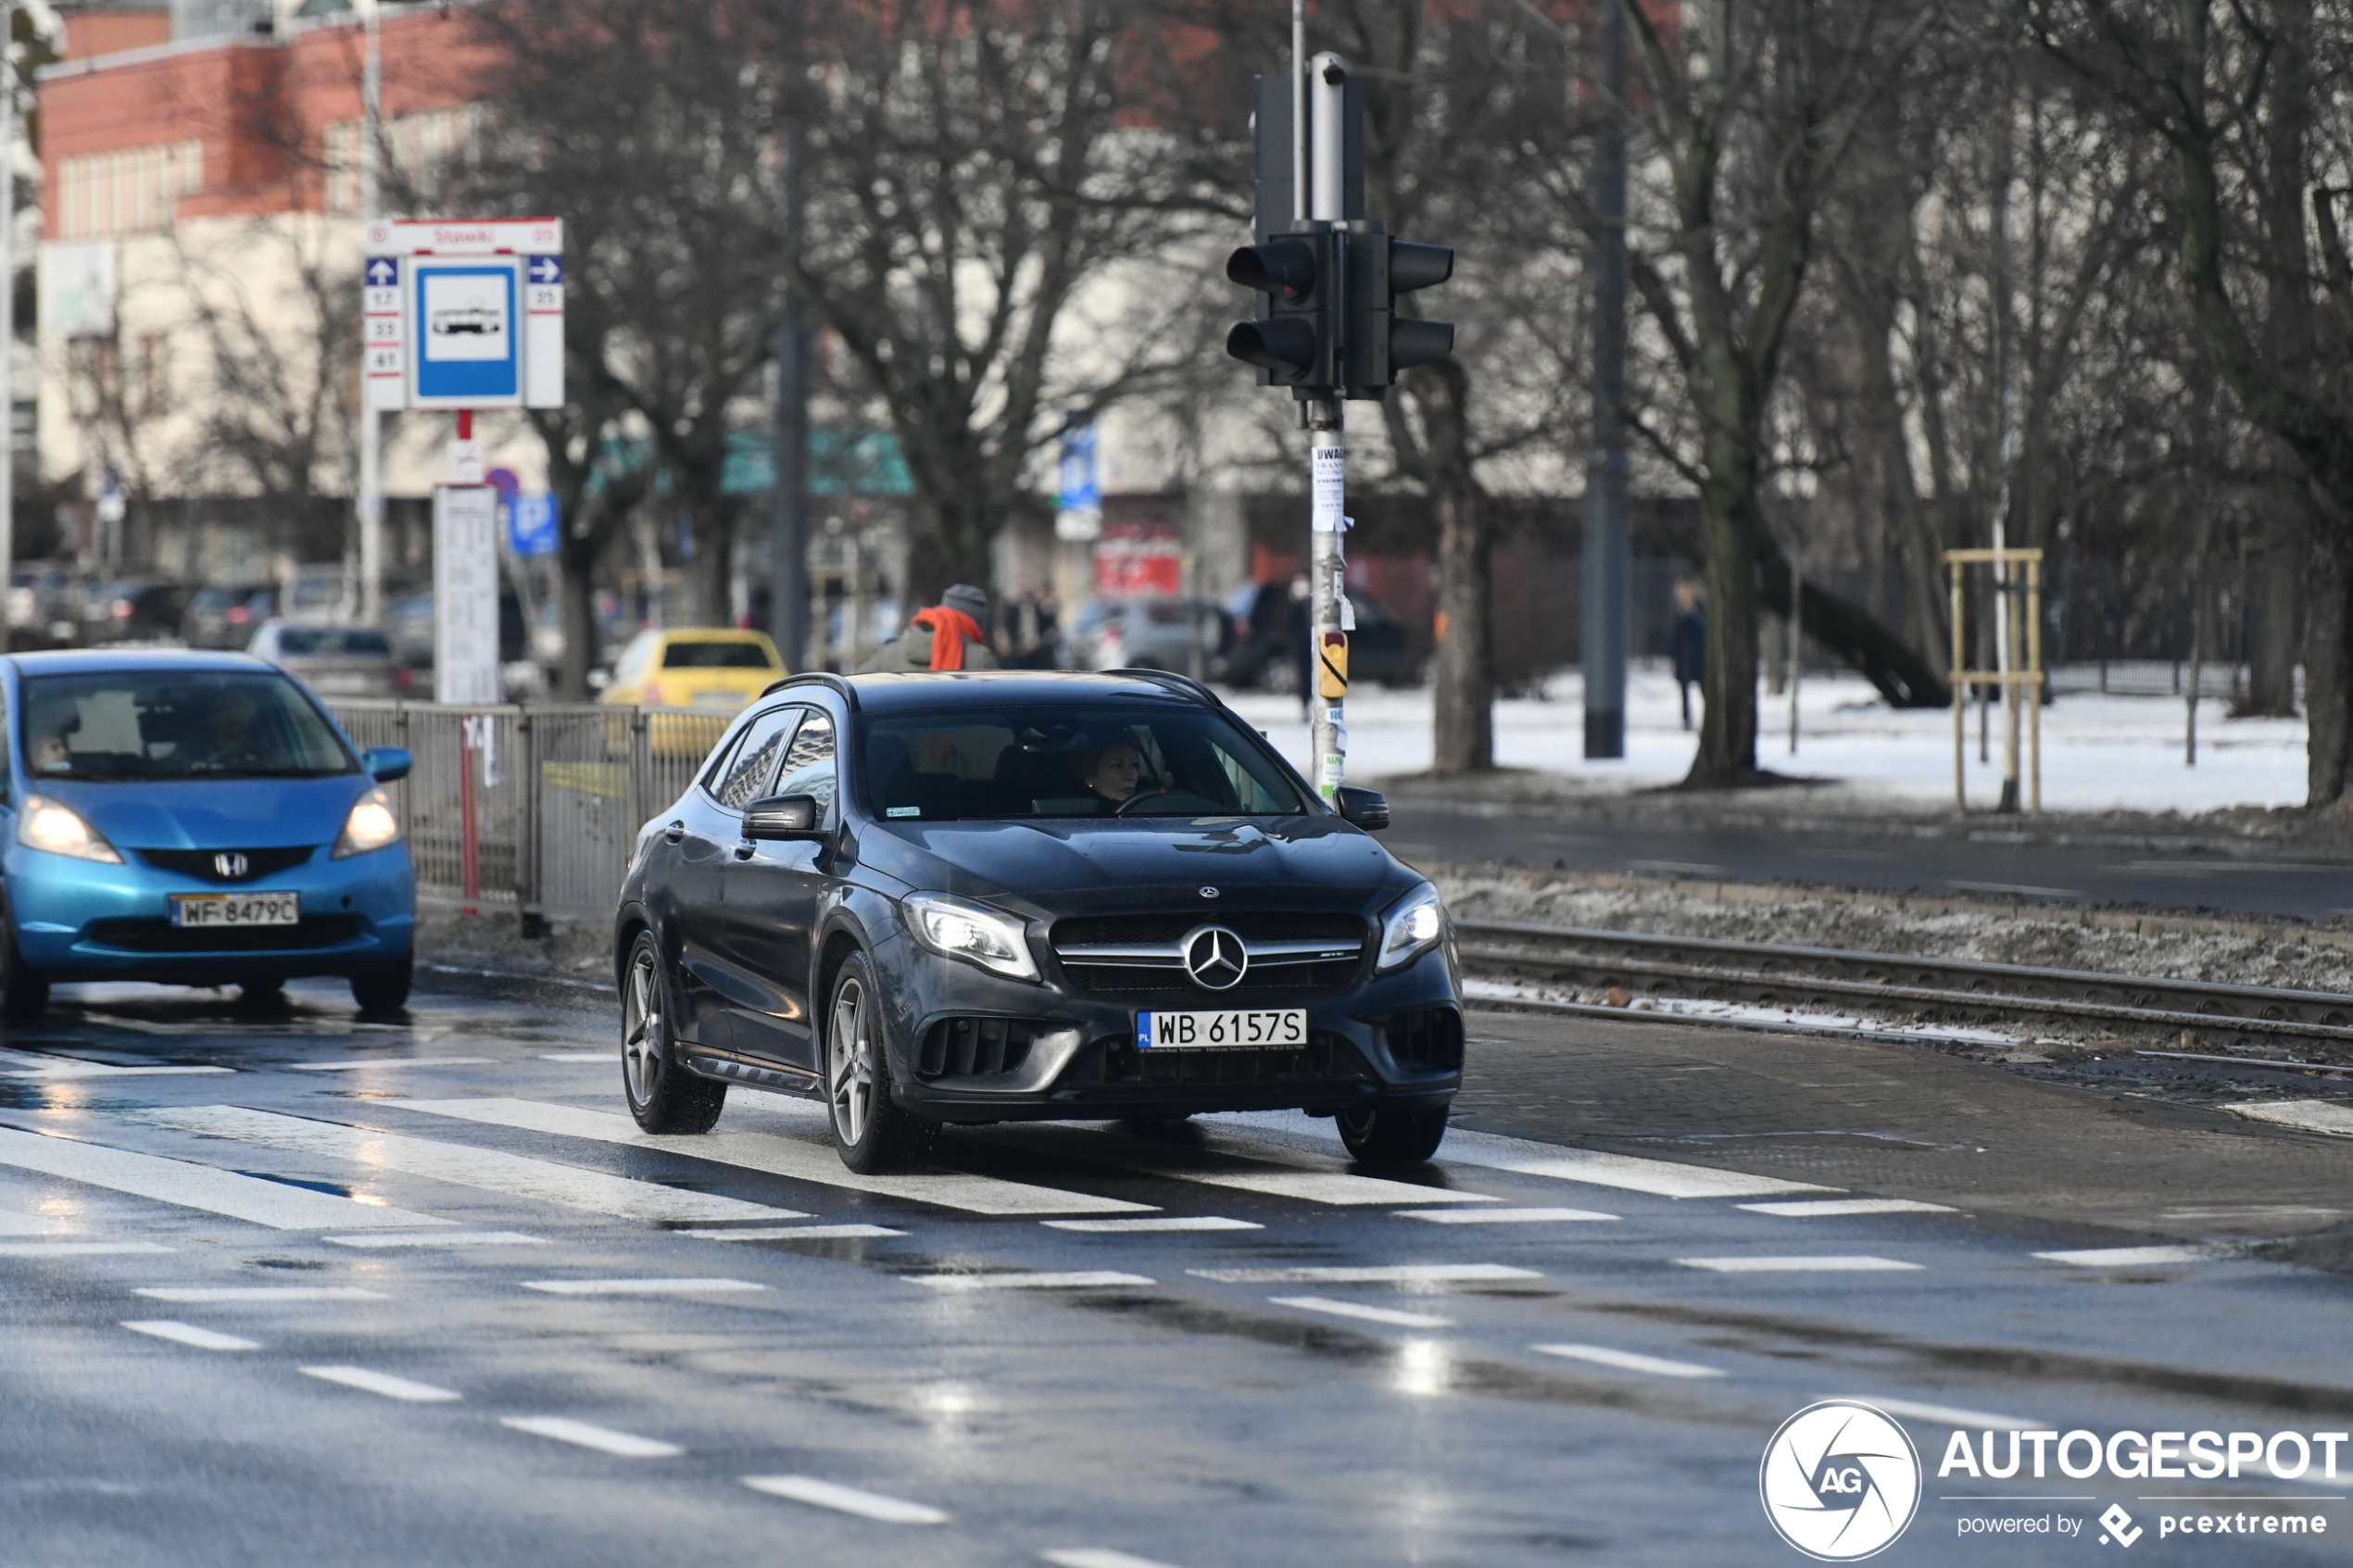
[532, 808]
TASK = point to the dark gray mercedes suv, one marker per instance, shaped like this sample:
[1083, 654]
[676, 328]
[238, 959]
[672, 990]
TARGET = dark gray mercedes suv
[973, 898]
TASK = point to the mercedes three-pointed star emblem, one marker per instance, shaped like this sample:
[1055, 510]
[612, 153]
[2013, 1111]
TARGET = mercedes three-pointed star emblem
[1216, 957]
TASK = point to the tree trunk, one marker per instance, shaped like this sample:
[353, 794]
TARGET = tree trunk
[1727, 752]
[576, 564]
[1464, 692]
[2273, 592]
[2328, 669]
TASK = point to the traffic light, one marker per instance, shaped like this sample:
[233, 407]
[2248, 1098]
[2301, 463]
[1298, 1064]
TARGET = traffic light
[1381, 343]
[1294, 338]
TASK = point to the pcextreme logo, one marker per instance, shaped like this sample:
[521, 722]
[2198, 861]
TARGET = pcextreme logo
[1841, 1481]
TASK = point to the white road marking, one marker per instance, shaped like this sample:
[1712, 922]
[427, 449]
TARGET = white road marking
[382, 1382]
[1099, 1557]
[543, 1180]
[439, 1238]
[12, 1223]
[36, 1064]
[1153, 1223]
[1500, 1216]
[1834, 1265]
[1950, 1415]
[1388, 1315]
[795, 1147]
[1394, 1273]
[845, 1499]
[189, 1334]
[796, 1233]
[1662, 1178]
[1826, 1207]
[1628, 1361]
[2133, 1257]
[639, 1286]
[258, 1293]
[579, 1056]
[1334, 1187]
[366, 1064]
[604, 1439]
[75, 1249]
[1077, 1279]
[2313, 1115]
[191, 1186]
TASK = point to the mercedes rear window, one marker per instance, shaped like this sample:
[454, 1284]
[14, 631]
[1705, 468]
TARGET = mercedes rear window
[1068, 759]
[177, 724]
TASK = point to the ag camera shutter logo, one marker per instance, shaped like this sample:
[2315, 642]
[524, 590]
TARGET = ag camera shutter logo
[1841, 1481]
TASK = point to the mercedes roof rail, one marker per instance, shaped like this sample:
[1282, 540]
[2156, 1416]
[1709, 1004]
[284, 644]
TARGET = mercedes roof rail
[818, 678]
[1184, 685]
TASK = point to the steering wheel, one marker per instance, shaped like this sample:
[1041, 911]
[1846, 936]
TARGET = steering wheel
[1167, 803]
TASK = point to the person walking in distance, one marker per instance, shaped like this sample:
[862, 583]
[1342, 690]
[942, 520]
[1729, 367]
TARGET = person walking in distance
[1687, 642]
[946, 637]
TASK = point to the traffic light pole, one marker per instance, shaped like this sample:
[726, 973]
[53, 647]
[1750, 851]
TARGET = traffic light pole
[1328, 462]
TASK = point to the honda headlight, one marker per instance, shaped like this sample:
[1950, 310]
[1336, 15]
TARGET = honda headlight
[1411, 928]
[958, 928]
[43, 823]
[372, 825]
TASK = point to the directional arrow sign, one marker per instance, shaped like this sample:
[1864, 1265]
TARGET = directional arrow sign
[545, 268]
[383, 272]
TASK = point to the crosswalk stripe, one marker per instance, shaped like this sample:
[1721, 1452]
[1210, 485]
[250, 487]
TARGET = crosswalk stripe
[787, 1149]
[1628, 1361]
[1391, 1273]
[543, 1180]
[845, 1499]
[28, 1224]
[1278, 1167]
[190, 1186]
[1075, 1279]
[1332, 1188]
[2132, 1257]
[1096, 1557]
[36, 1065]
[1949, 1415]
[437, 1239]
[75, 1249]
[1501, 1216]
[1830, 1208]
[587, 1435]
[640, 1286]
[258, 1293]
[1847, 1264]
[1661, 1178]
[1387, 1316]
[799, 1233]
[189, 1334]
[364, 1064]
[382, 1382]
[1152, 1223]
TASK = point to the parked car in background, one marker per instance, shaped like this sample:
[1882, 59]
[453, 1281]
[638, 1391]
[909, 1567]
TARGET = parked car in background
[318, 595]
[133, 610]
[716, 668]
[333, 660]
[1270, 634]
[194, 819]
[1146, 634]
[41, 606]
[227, 617]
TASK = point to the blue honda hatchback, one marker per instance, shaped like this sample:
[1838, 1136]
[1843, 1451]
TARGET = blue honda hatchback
[195, 818]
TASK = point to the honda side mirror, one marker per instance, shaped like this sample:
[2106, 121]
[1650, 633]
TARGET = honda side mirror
[784, 817]
[1368, 808]
[385, 763]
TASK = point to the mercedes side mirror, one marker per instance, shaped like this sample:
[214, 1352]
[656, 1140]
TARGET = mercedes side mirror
[385, 763]
[1368, 808]
[784, 817]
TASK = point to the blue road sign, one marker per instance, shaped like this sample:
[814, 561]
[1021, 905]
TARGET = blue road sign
[532, 523]
[383, 272]
[1081, 493]
[545, 269]
[465, 324]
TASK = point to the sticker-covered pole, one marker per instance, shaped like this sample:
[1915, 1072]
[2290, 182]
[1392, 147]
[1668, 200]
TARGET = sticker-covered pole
[1327, 457]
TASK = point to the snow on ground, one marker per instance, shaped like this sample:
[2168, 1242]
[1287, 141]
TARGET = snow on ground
[2100, 752]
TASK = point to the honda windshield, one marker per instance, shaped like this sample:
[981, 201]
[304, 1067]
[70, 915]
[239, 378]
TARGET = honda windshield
[177, 724]
[1069, 760]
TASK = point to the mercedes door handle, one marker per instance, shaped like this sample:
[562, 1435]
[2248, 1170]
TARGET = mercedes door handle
[674, 832]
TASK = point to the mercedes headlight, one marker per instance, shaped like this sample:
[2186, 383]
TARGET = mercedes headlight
[958, 928]
[43, 824]
[372, 825]
[1411, 928]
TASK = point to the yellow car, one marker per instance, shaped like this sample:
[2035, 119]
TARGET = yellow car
[710, 668]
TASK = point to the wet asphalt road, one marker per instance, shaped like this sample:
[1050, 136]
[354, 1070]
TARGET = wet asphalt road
[299, 1290]
[2003, 859]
